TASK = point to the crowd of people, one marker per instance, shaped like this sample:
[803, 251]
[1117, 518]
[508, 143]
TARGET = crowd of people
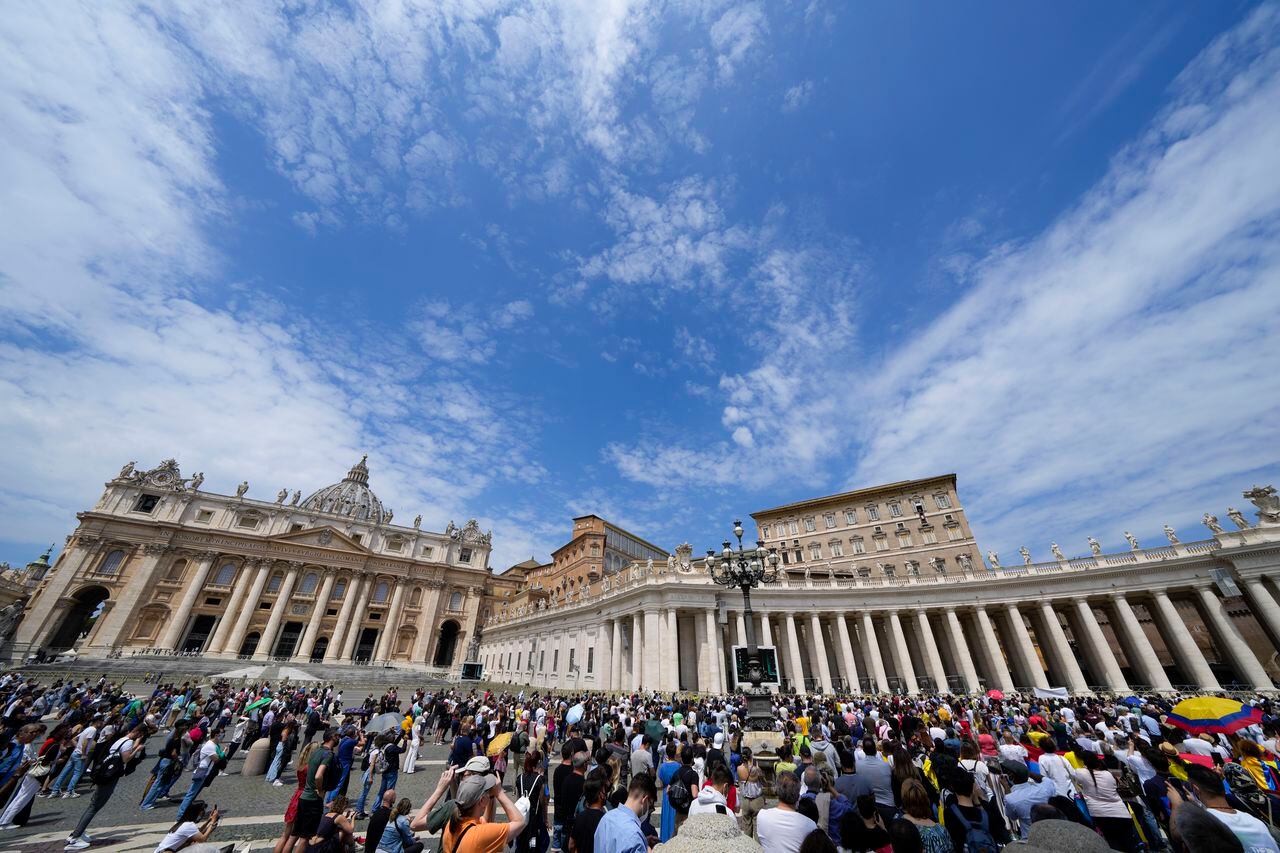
[620, 774]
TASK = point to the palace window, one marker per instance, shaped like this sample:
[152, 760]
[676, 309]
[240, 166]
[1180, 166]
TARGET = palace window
[273, 585]
[873, 513]
[226, 574]
[953, 534]
[859, 547]
[455, 601]
[810, 524]
[815, 551]
[864, 572]
[146, 503]
[464, 556]
[764, 531]
[837, 549]
[901, 525]
[904, 540]
[380, 592]
[929, 537]
[942, 500]
[339, 590]
[786, 560]
[799, 555]
[882, 544]
[830, 519]
[850, 517]
[795, 529]
[204, 516]
[895, 510]
[309, 583]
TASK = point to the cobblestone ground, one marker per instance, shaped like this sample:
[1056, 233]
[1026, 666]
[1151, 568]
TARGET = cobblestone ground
[254, 809]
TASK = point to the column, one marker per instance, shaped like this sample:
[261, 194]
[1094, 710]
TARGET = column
[637, 662]
[1024, 648]
[846, 654]
[932, 659]
[714, 685]
[1264, 605]
[126, 600]
[961, 647]
[899, 640]
[308, 644]
[1242, 657]
[1174, 631]
[471, 604]
[356, 620]
[427, 624]
[615, 667]
[386, 644]
[872, 644]
[605, 662]
[1111, 674]
[268, 641]
[793, 649]
[999, 669]
[1064, 659]
[179, 617]
[239, 589]
[1148, 664]
[766, 632]
[671, 661]
[248, 607]
[44, 616]
[652, 633]
[819, 647]
[742, 628]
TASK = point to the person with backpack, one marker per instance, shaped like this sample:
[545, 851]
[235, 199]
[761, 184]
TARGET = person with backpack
[322, 777]
[389, 760]
[972, 825]
[531, 787]
[122, 757]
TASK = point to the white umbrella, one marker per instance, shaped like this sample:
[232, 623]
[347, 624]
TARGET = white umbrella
[383, 722]
[575, 714]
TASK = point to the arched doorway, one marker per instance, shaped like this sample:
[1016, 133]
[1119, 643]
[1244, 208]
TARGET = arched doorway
[446, 644]
[250, 644]
[81, 615]
[201, 628]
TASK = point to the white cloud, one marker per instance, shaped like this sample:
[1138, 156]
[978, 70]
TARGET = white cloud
[735, 33]
[797, 96]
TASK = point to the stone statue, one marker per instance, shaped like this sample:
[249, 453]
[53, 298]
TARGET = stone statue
[994, 559]
[1237, 517]
[671, 563]
[9, 619]
[1057, 552]
[1170, 535]
[913, 568]
[965, 562]
[1267, 502]
[1211, 522]
[127, 470]
[417, 522]
[297, 495]
[648, 567]
[1026, 555]
[1133, 542]
[281, 495]
[939, 565]
[1095, 547]
[197, 481]
[390, 515]
[242, 488]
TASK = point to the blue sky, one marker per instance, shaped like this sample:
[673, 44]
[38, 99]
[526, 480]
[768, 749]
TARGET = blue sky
[668, 262]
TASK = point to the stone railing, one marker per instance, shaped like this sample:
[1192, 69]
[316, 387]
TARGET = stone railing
[638, 575]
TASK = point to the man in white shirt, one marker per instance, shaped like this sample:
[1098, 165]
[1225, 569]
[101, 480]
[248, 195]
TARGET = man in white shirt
[783, 829]
[1207, 784]
[1011, 750]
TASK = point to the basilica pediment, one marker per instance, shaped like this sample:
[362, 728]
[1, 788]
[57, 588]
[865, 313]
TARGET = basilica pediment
[322, 537]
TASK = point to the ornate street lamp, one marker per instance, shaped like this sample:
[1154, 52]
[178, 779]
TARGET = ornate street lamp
[746, 568]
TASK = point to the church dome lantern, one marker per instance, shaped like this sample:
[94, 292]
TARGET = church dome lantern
[352, 498]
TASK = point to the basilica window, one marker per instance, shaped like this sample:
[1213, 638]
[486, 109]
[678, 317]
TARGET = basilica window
[942, 500]
[111, 564]
[309, 583]
[810, 524]
[426, 550]
[395, 544]
[176, 570]
[455, 601]
[464, 556]
[830, 519]
[204, 516]
[850, 517]
[415, 599]
[873, 513]
[146, 503]
[339, 590]
[356, 537]
[226, 574]
[273, 585]
[380, 592]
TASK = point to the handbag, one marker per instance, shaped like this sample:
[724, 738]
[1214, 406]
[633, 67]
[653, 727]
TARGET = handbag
[39, 770]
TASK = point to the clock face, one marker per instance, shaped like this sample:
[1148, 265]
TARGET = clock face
[162, 478]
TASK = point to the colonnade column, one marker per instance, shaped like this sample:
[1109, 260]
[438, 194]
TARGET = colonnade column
[741, 622]
[714, 684]
[387, 642]
[669, 676]
[932, 658]
[1056, 638]
[615, 666]
[605, 662]
[1243, 659]
[178, 619]
[353, 631]
[766, 633]
[248, 606]
[961, 647]
[1026, 649]
[1148, 663]
[308, 644]
[819, 646]
[1101, 650]
[268, 640]
[846, 654]
[637, 628]
[899, 640]
[1174, 629]
[1264, 604]
[239, 589]
[872, 645]
[1000, 670]
[795, 665]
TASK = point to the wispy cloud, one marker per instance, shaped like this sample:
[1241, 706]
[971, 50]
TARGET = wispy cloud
[797, 96]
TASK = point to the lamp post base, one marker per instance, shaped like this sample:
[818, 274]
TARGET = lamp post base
[759, 708]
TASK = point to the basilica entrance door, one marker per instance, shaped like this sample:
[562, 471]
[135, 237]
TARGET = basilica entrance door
[368, 642]
[201, 628]
[288, 642]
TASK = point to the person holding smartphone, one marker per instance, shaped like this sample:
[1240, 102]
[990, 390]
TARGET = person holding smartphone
[189, 830]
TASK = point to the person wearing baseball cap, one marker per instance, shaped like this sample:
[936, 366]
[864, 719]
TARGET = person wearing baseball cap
[470, 830]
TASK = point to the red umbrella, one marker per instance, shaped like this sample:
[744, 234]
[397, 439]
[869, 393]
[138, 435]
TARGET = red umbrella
[994, 694]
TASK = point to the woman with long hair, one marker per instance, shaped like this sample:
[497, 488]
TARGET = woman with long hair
[751, 778]
[287, 839]
[1109, 812]
[336, 831]
[398, 836]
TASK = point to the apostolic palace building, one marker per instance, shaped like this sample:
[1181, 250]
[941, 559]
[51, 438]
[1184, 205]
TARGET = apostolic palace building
[882, 589]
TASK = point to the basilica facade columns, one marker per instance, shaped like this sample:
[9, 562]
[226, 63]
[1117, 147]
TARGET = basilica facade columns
[248, 606]
[308, 644]
[387, 642]
[352, 635]
[125, 604]
[179, 617]
[266, 644]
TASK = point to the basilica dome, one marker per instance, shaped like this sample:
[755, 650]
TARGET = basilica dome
[351, 498]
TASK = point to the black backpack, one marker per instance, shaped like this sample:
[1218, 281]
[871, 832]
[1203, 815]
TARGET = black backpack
[678, 793]
[332, 773]
[109, 769]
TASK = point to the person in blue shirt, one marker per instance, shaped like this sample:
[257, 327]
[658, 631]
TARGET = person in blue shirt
[351, 739]
[621, 830]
